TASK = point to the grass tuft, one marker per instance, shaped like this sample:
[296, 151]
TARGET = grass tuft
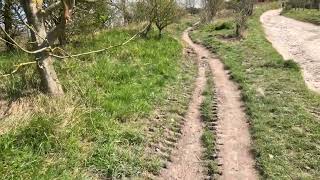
[208, 137]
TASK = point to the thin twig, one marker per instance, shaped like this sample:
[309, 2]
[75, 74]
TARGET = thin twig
[20, 47]
[17, 68]
[1, 39]
[100, 50]
[32, 29]
[61, 57]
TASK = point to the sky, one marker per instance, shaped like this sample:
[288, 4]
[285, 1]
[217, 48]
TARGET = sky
[197, 3]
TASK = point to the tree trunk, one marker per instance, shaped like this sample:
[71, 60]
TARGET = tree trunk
[160, 33]
[63, 38]
[7, 15]
[125, 12]
[238, 30]
[144, 34]
[49, 80]
[59, 32]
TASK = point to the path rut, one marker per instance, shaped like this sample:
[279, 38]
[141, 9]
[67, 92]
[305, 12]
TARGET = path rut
[295, 40]
[234, 143]
[186, 158]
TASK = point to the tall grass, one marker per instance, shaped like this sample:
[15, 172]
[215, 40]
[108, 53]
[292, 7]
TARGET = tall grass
[98, 130]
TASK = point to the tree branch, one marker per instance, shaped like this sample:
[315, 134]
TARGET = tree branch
[100, 50]
[67, 56]
[20, 47]
[17, 68]
[51, 8]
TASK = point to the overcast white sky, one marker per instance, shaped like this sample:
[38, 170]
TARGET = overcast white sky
[196, 2]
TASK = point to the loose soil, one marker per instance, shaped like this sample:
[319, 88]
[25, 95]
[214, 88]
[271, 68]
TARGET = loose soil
[295, 40]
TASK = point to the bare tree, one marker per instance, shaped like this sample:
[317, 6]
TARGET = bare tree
[211, 8]
[243, 9]
[144, 11]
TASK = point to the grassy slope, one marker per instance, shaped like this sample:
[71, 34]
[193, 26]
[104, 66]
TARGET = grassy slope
[286, 134]
[99, 128]
[307, 15]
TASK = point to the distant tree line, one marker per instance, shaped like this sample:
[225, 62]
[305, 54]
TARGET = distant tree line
[301, 4]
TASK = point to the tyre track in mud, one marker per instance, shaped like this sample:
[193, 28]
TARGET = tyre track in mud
[186, 162]
[233, 144]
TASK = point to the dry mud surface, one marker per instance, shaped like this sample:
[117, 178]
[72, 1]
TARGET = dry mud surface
[186, 158]
[233, 137]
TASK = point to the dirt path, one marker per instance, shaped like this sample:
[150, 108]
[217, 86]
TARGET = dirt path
[234, 141]
[186, 158]
[295, 40]
[233, 130]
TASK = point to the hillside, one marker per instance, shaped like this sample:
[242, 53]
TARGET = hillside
[100, 127]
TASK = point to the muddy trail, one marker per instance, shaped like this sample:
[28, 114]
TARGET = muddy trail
[233, 138]
[295, 40]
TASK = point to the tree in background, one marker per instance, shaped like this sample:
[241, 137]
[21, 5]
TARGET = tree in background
[162, 13]
[211, 8]
[11, 19]
[90, 17]
[166, 13]
[144, 12]
[296, 4]
[8, 22]
[243, 9]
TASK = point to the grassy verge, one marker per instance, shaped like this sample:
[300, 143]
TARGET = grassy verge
[208, 116]
[99, 129]
[306, 15]
[282, 111]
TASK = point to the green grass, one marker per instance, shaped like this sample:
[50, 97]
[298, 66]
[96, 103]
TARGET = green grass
[286, 134]
[208, 137]
[306, 15]
[99, 129]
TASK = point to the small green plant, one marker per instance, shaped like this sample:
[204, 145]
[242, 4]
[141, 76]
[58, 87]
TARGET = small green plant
[291, 64]
[208, 137]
